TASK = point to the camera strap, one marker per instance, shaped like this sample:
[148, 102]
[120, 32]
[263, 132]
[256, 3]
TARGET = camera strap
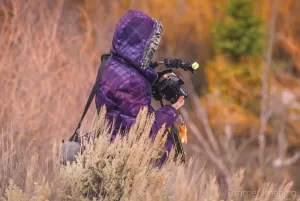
[179, 136]
[177, 143]
[104, 58]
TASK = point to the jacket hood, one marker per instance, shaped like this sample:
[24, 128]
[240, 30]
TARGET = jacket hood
[136, 38]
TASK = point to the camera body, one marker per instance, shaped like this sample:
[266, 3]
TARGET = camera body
[169, 88]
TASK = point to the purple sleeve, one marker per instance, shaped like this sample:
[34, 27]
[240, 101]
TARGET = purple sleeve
[133, 95]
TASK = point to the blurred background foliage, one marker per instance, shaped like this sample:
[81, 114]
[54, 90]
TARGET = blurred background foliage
[229, 38]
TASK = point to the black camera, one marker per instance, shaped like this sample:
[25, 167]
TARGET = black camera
[170, 88]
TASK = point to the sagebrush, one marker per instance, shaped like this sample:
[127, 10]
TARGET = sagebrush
[123, 170]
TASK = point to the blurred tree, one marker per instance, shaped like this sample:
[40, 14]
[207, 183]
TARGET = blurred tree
[239, 34]
[235, 72]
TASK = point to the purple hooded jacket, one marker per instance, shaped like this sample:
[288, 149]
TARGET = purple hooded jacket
[126, 81]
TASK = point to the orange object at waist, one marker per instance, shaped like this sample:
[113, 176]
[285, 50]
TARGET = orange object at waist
[183, 133]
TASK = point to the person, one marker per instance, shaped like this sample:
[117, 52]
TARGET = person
[126, 81]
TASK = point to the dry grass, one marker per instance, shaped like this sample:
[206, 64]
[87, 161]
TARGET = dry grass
[45, 70]
[123, 170]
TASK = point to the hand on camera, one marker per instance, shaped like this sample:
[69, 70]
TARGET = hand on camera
[179, 103]
[165, 76]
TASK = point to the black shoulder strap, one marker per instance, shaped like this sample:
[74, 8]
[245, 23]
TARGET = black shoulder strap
[104, 57]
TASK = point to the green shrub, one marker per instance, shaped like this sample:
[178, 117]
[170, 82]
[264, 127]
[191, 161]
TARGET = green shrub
[239, 34]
